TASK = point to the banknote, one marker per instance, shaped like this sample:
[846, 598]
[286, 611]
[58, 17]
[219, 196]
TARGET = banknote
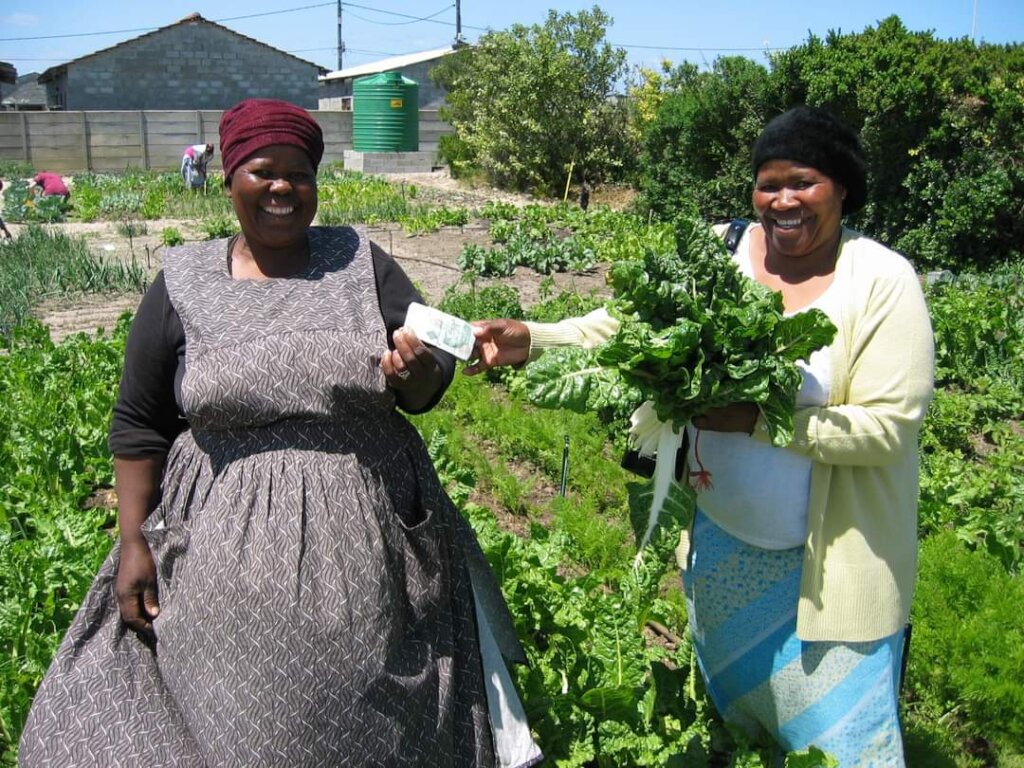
[440, 329]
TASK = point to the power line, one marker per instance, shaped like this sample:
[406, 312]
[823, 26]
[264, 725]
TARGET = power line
[240, 18]
[272, 13]
[410, 19]
[430, 18]
[77, 34]
[401, 23]
[151, 29]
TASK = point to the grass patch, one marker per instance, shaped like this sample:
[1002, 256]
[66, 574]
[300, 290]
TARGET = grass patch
[351, 198]
[40, 264]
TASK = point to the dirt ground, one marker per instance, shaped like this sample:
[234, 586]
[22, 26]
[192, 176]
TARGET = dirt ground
[429, 260]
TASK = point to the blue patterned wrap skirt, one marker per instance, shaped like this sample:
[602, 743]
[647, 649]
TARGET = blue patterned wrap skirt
[840, 697]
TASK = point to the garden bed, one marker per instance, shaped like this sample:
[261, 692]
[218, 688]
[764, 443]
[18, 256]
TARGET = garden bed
[429, 259]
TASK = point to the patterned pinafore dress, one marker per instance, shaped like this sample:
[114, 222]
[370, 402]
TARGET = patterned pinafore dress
[315, 600]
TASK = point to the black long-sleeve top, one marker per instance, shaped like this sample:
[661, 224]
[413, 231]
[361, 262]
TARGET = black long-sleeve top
[148, 413]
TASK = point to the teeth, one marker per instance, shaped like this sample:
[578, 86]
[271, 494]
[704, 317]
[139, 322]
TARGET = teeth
[279, 210]
[788, 222]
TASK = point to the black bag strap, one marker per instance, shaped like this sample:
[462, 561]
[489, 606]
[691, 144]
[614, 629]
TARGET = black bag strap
[733, 234]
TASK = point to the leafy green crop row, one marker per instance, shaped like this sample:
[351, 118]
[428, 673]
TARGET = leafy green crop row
[53, 454]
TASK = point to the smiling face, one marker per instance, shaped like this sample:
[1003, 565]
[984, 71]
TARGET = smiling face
[274, 195]
[800, 208]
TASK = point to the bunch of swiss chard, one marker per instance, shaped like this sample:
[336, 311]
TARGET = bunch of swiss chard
[694, 334]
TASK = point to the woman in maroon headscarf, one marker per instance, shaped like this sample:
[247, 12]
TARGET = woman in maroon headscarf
[292, 586]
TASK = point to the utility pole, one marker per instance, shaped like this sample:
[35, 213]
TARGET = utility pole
[974, 23]
[341, 42]
[458, 22]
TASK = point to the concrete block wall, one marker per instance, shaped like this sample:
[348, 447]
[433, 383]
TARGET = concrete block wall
[109, 140]
[389, 162]
[191, 65]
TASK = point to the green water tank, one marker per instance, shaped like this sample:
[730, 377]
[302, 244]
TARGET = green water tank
[385, 114]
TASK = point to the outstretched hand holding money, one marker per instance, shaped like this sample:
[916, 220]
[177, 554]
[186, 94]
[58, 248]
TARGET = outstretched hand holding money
[498, 342]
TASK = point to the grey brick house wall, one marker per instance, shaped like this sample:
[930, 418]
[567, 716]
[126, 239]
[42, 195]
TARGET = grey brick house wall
[194, 64]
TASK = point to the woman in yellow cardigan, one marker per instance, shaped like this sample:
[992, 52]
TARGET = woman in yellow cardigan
[801, 564]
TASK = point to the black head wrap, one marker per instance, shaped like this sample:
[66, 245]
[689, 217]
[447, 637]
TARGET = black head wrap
[813, 137]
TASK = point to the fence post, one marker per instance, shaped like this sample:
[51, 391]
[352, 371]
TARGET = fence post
[142, 140]
[85, 141]
[24, 137]
[199, 127]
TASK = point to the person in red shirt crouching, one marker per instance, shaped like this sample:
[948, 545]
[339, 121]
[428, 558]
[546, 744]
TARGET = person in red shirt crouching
[50, 184]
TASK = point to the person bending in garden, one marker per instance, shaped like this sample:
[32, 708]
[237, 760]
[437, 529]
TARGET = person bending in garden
[800, 564]
[3, 227]
[50, 185]
[291, 586]
[193, 165]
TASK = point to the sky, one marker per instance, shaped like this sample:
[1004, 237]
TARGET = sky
[38, 34]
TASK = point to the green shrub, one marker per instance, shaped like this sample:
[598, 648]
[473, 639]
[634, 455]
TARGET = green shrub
[481, 304]
[219, 226]
[170, 237]
[456, 154]
[531, 103]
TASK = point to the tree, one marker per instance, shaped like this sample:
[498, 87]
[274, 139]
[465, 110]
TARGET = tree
[941, 123]
[528, 102]
[697, 151]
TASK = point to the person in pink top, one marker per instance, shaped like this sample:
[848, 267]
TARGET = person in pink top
[51, 184]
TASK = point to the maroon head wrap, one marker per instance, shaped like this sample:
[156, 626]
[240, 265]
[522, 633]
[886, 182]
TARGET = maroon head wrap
[256, 123]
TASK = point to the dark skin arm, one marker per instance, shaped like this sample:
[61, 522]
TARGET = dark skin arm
[137, 483]
[411, 355]
[498, 342]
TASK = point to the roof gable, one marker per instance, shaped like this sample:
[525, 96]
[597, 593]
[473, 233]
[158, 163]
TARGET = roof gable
[192, 18]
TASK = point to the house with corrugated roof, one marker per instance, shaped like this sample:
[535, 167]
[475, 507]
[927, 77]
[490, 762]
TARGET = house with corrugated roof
[192, 64]
[336, 87]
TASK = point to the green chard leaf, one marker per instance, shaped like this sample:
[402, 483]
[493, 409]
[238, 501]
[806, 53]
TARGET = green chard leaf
[797, 336]
[571, 378]
[675, 514]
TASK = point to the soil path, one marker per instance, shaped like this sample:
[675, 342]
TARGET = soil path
[429, 260]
